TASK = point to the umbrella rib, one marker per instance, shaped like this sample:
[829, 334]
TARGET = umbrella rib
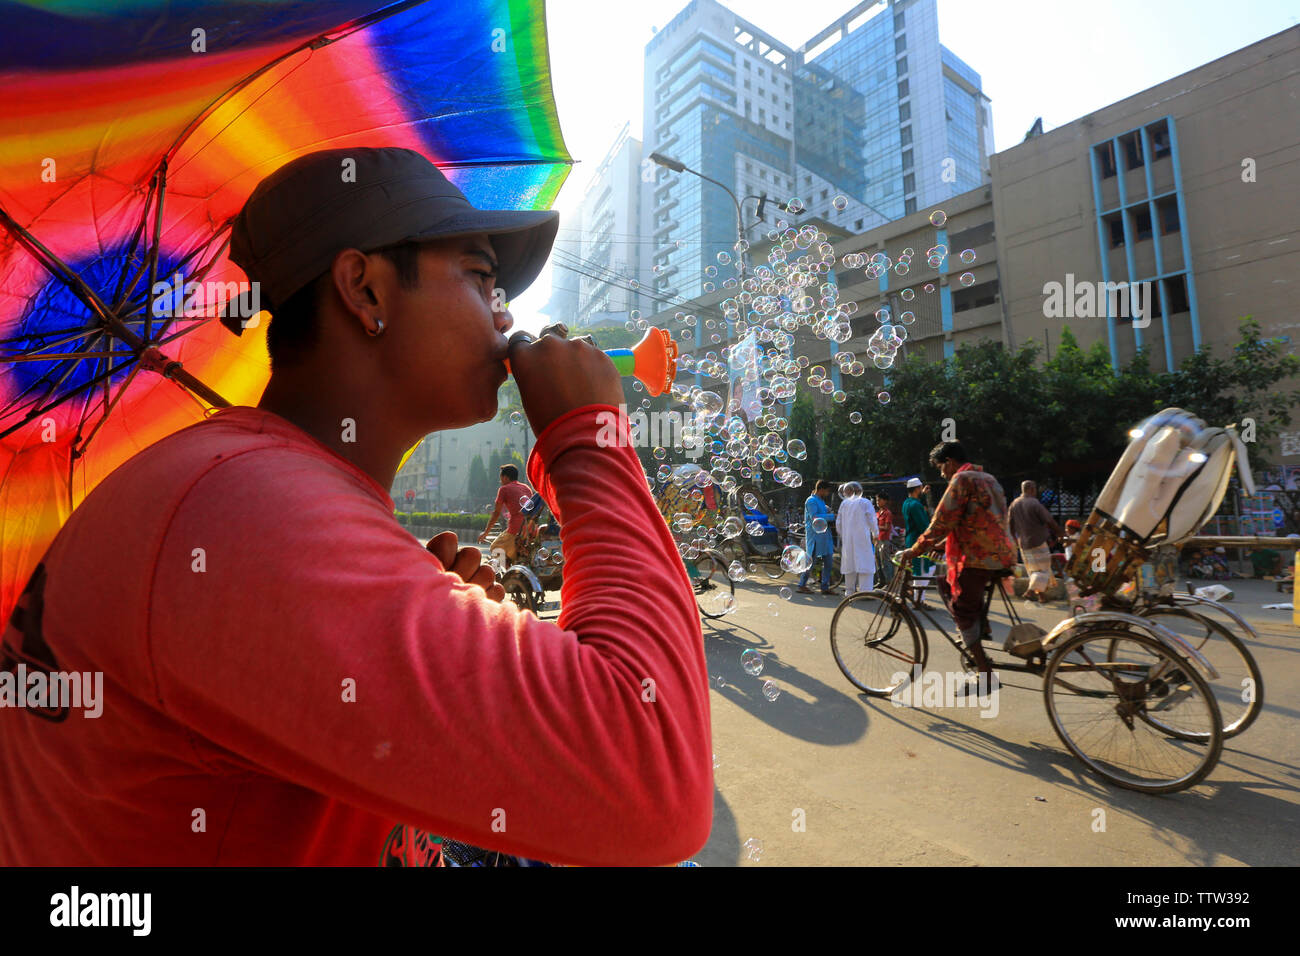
[66, 337]
[108, 410]
[85, 386]
[45, 379]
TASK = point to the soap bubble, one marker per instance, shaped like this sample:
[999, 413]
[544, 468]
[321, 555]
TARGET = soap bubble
[819, 525]
[855, 417]
[796, 449]
[710, 271]
[752, 661]
[771, 691]
[736, 571]
[724, 258]
[938, 218]
[795, 559]
[786, 593]
[968, 256]
[772, 609]
[751, 502]
[754, 528]
[732, 527]
[907, 295]
[928, 288]
[683, 521]
[810, 633]
[883, 398]
[660, 453]
[795, 205]
[516, 418]
[907, 318]
[967, 278]
[840, 202]
[722, 603]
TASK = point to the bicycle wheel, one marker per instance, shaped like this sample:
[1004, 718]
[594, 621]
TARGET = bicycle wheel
[874, 639]
[1239, 688]
[714, 590]
[1119, 727]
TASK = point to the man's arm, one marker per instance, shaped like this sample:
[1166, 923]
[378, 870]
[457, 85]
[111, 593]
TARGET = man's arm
[496, 513]
[333, 652]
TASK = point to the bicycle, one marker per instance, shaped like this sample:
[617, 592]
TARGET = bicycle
[1167, 730]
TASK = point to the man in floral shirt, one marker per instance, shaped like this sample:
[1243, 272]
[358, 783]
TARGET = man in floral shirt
[972, 519]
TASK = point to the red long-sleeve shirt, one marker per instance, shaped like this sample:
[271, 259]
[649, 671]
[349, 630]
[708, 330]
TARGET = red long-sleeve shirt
[287, 673]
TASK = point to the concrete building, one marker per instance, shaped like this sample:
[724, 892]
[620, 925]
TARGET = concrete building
[1189, 186]
[437, 473]
[610, 252]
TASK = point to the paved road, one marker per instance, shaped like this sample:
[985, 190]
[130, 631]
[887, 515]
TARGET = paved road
[883, 785]
[880, 784]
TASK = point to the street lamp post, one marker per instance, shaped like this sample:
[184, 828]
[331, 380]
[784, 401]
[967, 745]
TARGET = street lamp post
[679, 167]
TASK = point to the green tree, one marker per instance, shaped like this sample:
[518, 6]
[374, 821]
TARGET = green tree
[479, 486]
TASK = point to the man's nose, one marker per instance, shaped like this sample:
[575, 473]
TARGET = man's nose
[504, 321]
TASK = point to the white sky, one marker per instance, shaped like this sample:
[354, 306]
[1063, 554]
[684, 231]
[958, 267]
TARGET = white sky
[1059, 59]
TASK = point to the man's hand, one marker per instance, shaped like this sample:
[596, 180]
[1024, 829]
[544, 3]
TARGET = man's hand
[466, 563]
[482, 538]
[906, 555]
[556, 374]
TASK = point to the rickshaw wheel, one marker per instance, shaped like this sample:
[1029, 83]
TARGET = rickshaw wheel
[1127, 690]
[519, 591]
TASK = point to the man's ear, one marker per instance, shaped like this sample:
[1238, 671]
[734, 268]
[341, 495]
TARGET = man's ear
[354, 276]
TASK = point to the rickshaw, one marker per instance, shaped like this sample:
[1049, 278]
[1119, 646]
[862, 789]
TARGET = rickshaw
[1144, 689]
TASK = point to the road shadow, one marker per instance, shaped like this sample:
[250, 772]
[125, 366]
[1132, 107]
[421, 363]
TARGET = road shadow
[723, 846]
[819, 713]
[1242, 820]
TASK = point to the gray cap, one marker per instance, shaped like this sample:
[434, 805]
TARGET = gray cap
[311, 209]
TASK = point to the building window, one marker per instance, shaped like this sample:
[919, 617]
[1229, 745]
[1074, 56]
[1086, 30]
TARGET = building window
[807, 180]
[1175, 289]
[747, 67]
[898, 28]
[762, 116]
[902, 94]
[900, 43]
[825, 193]
[856, 225]
[1132, 145]
[1167, 208]
[762, 174]
[909, 206]
[747, 87]
[1142, 223]
[787, 125]
[909, 183]
[905, 136]
[1159, 133]
[902, 65]
[907, 159]
[1105, 159]
[1116, 225]
[904, 112]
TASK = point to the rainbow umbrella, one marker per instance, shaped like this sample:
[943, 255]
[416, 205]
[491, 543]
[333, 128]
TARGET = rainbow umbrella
[131, 133]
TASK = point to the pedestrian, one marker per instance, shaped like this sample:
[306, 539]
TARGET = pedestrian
[512, 496]
[817, 518]
[915, 520]
[290, 677]
[885, 545]
[857, 526]
[1032, 526]
[971, 521]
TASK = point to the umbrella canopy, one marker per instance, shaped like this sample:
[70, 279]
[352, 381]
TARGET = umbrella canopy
[129, 140]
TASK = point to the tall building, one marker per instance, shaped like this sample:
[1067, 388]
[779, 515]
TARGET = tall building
[611, 228]
[872, 109]
[887, 116]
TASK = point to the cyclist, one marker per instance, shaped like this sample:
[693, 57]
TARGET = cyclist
[971, 517]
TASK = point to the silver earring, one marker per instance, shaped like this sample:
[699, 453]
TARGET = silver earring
[377, 332]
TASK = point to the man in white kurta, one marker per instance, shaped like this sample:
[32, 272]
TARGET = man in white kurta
[856, 521]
